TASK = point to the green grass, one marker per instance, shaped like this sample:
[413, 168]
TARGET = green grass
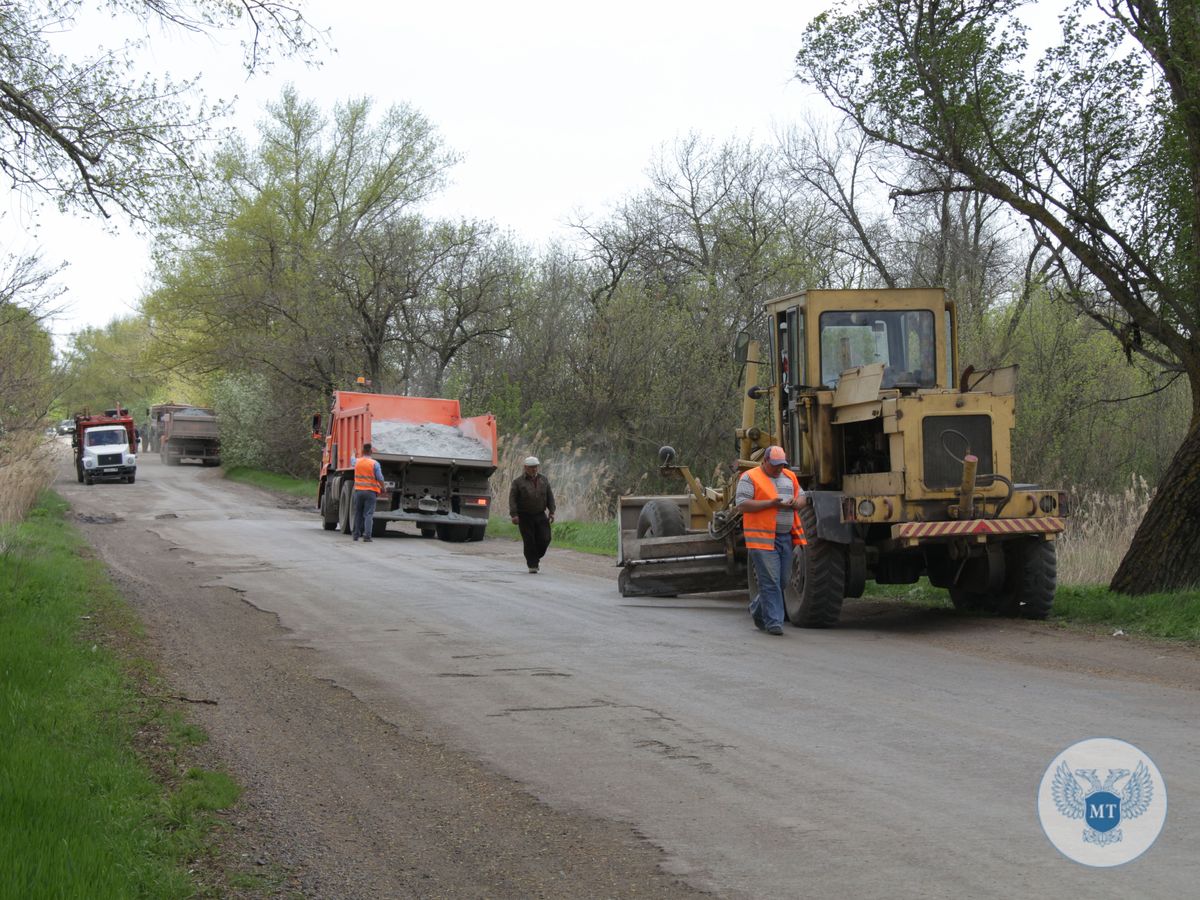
[80, 813]
[1175, 615]
[599, 538]
[272, 481]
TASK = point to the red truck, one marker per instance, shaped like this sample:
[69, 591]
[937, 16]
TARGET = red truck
[435, 463]
[105, 446]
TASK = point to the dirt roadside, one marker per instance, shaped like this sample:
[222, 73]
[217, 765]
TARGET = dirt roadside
[339, 803]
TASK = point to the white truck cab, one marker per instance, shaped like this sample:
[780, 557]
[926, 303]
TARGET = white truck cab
[106, 454]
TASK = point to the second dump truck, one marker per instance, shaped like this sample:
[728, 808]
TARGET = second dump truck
[908, 468]
[436, 463]
[179, 431]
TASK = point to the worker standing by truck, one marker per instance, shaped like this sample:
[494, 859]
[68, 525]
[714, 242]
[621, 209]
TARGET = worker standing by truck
[531, 508]
[368, 483]
[768, 498]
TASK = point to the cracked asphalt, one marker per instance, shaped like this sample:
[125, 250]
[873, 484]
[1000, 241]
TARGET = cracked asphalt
[413, 718]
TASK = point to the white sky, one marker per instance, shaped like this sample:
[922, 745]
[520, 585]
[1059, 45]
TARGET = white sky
[555, 108]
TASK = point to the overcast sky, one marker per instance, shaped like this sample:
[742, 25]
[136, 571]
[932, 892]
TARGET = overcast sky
[555, 108]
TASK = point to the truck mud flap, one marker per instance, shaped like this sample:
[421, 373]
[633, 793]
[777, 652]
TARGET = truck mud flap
[827, 507]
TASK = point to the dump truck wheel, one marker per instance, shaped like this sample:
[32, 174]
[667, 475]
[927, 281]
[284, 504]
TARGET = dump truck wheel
[814, 598]
[329, 515]
[378, 527]
[477, 532]
[345, 496]
[132, 479]
[661, 518]
[454, 534]
[1030, 578]
[428, 532]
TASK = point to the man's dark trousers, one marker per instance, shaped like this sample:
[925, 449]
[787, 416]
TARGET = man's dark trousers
[535, 535]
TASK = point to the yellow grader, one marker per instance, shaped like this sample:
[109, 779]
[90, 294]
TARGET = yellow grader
[909, 473]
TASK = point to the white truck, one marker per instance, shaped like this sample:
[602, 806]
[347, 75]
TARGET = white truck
[105, 448]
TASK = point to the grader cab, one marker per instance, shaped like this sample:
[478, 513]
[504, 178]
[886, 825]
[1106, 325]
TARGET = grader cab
[909, 472]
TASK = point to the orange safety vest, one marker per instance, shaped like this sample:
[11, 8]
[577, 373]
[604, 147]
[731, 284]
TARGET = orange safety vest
[364, 476]
[759, 527]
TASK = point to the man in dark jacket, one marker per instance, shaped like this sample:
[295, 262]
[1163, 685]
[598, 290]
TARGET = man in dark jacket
[531, 508]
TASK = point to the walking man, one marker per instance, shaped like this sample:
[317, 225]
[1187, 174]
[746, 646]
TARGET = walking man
[531, 508]
[769, 499]
[368, 483]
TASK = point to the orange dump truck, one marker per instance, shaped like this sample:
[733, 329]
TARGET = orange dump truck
[435, 463]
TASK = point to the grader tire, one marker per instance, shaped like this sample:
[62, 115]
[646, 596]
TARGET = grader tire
[1030, 578]
[661, 518]
[819, 583]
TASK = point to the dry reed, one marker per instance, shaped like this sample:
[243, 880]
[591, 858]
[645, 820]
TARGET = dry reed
[27, 463]
[1099, 532]
[584, 488]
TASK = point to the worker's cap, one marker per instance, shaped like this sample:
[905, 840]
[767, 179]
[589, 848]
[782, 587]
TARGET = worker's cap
[532, 461]
[775, 456]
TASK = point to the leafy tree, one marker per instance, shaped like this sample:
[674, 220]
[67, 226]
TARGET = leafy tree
[89, 135]
[1097, 147]
[29, 381]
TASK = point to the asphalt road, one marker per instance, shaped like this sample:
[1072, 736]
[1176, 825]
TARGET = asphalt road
[896, 756]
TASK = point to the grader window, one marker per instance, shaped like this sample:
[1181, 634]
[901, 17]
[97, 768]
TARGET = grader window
[902, 340]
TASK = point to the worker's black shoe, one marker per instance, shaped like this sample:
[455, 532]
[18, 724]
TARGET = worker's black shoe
[776, 630]
[367, 540]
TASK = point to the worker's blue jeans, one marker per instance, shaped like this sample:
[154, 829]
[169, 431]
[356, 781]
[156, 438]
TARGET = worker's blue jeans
[363, 510]
[774, 571]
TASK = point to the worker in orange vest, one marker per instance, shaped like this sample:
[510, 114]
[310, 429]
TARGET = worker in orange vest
[769, 499]
[368, 483]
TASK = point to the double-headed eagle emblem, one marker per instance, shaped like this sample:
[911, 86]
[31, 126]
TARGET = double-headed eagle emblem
[1098, 803]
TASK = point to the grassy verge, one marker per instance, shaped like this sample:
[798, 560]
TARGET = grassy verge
[98, 797]
[599, 538]
[272, 481]
[1175, 615]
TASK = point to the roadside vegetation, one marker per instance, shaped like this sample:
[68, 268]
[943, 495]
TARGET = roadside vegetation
[101, 798]
[274, 481]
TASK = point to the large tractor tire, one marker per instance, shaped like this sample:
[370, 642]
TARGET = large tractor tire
[661, 518]
[329, 509]
[345, 499]
[454, 534]
[1030, 578]
[814, 599]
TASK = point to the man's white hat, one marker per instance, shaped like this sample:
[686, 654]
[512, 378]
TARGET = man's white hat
[532, 461]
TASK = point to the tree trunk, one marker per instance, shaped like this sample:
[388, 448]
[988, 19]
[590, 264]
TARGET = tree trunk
[1165, 553]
